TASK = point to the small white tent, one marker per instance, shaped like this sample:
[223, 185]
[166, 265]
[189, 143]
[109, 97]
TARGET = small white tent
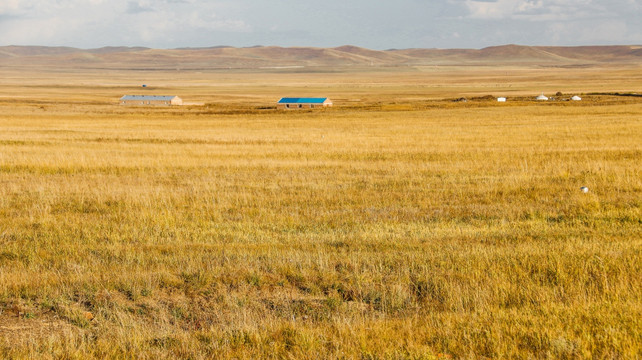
[542, 97]
[501, 99]
[576, 98]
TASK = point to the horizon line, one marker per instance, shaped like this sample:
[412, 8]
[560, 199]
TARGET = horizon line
[306, 47]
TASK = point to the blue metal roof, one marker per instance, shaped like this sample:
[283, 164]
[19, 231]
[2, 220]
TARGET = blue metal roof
[147, 98]
[289, 100]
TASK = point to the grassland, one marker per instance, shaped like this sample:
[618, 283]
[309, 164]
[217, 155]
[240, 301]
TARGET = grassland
[395, 225]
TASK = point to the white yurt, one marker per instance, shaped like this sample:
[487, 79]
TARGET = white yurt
[501, 99]
[542, 97]
[576, 98]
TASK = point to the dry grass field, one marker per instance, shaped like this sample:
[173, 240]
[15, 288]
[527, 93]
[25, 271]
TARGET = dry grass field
[397, 225]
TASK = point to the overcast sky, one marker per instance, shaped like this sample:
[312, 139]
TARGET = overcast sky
[375, 24]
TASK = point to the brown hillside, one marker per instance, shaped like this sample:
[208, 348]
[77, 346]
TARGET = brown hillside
[598, 53]
[274, 56]
[520, 54]
[372, 55]
[26, 51]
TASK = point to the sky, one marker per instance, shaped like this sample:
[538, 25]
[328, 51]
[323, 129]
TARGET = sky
[374, 24]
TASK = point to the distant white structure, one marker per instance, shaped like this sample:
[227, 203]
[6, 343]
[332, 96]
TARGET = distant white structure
[576, 98]
[584, 189]
[501, 99]
[150, 100]
[542, 97]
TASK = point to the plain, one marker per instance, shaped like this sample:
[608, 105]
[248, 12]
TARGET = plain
[398, 224]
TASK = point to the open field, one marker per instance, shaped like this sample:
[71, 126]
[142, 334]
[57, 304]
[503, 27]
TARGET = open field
[397, 225]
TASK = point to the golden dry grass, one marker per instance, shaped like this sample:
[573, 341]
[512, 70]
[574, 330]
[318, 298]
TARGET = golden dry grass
[395, 225]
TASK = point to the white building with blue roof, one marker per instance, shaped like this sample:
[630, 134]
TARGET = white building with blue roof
[302, 103]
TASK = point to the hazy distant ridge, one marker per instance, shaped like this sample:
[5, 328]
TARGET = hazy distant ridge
[273, 56]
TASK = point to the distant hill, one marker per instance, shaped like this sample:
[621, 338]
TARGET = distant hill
[223, 57]
[535, 55]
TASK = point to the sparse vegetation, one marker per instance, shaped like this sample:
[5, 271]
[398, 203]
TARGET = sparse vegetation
[392, 226]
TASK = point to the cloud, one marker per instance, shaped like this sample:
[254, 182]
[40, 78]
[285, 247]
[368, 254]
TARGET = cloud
[137, 7]
[534, 10]
[568, 22]
[14, 7]
[601, 31]
[8, 6]
[399, 24]
[95, 23]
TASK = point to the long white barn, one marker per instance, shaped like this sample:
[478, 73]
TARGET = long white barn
[150, 100]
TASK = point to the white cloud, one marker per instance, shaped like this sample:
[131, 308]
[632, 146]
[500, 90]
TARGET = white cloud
[403, 23]
[14, 7]
[534, 10]
[602, 31]
[136, 7]
[8, 6]
[559, 22]
[90, 23]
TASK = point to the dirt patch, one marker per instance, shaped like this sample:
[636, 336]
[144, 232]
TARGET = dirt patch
[15, 328]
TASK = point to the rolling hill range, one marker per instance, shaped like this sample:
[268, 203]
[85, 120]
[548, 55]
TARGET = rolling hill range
[222, 57]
